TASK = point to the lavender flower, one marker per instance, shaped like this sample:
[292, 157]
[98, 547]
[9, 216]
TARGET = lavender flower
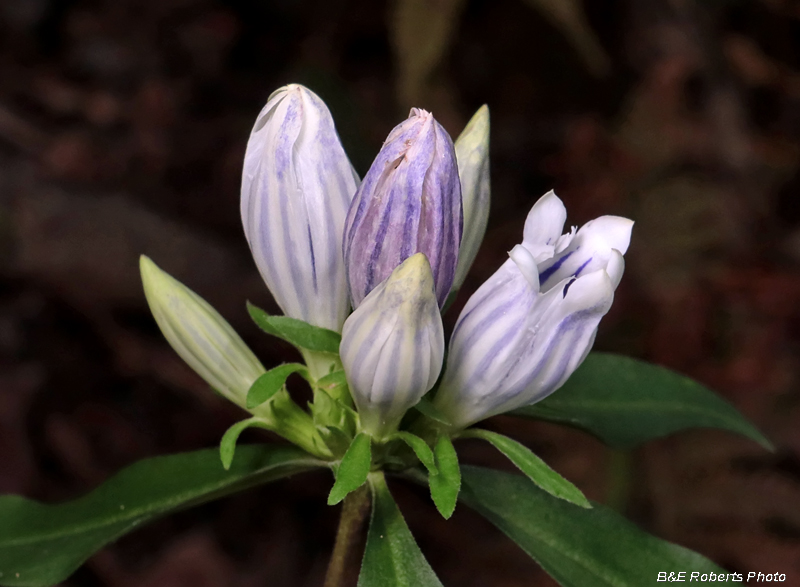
[532, 323]
[409, 202]
[392, 346]
[297, 185]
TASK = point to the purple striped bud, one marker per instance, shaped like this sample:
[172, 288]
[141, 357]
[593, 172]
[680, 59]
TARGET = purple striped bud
[392, 346]
[409, 202]
[297, 185]
[532, 323]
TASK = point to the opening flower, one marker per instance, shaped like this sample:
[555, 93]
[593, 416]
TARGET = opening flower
[532, 323]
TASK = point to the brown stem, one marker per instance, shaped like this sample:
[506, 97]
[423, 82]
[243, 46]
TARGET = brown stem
[343, 568]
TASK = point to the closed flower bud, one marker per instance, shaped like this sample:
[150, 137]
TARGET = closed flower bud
[532, 323]
[409, 202]
[392, 346]
[200, 335]
[472, 153]
[297, 185]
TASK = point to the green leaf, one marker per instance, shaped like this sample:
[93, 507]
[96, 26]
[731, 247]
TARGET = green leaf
[625, 402]
[336, 439]
[426, 408]
[353, 470]
[42, 544]
[421, 449]
[392, 557]
[335, 385]
[271, 382]
[332, 380]
[446, 484]
[227, 446]
[577, 547]
[327, 411]
[534, 467]
[301, 334]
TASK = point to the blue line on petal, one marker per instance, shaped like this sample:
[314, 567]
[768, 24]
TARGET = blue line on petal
[547, 273]
[313, 261]
[575, 275]
[582, 267]
[566, 287]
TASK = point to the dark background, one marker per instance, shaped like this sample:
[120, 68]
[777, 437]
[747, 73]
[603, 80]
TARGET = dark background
[122, 129]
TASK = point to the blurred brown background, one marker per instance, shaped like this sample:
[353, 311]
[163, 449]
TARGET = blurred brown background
[122, 128]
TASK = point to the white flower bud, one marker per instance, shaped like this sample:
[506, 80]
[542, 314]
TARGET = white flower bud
[297, 185]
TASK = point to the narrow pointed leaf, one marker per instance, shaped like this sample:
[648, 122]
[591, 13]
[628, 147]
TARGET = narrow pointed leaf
[301, 334]
[353, 470]
[392, 557]
[446, 484]
[42, 544]
[577, 547]
[625, 402]
[534, 468]
[421, 449]
[227, 446]
[268, 384]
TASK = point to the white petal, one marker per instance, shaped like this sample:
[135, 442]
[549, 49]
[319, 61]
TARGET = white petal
[613, 231]
[565, 239]
[512, 349]
[594, 291]
[589, 251]
[572, 327]
[615, 267]
[526, 263]
[545, 221]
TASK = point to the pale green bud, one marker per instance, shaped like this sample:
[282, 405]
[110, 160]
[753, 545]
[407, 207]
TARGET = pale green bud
[200, 335]
[472, 154]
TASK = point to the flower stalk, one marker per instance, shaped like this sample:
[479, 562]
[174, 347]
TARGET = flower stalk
[344, 564]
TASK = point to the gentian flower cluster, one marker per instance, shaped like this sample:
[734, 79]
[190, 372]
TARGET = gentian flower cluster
[394, 247]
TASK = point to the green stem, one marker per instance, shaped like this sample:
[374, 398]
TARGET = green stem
[320, 364]
[287, 419]
[343, 567]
